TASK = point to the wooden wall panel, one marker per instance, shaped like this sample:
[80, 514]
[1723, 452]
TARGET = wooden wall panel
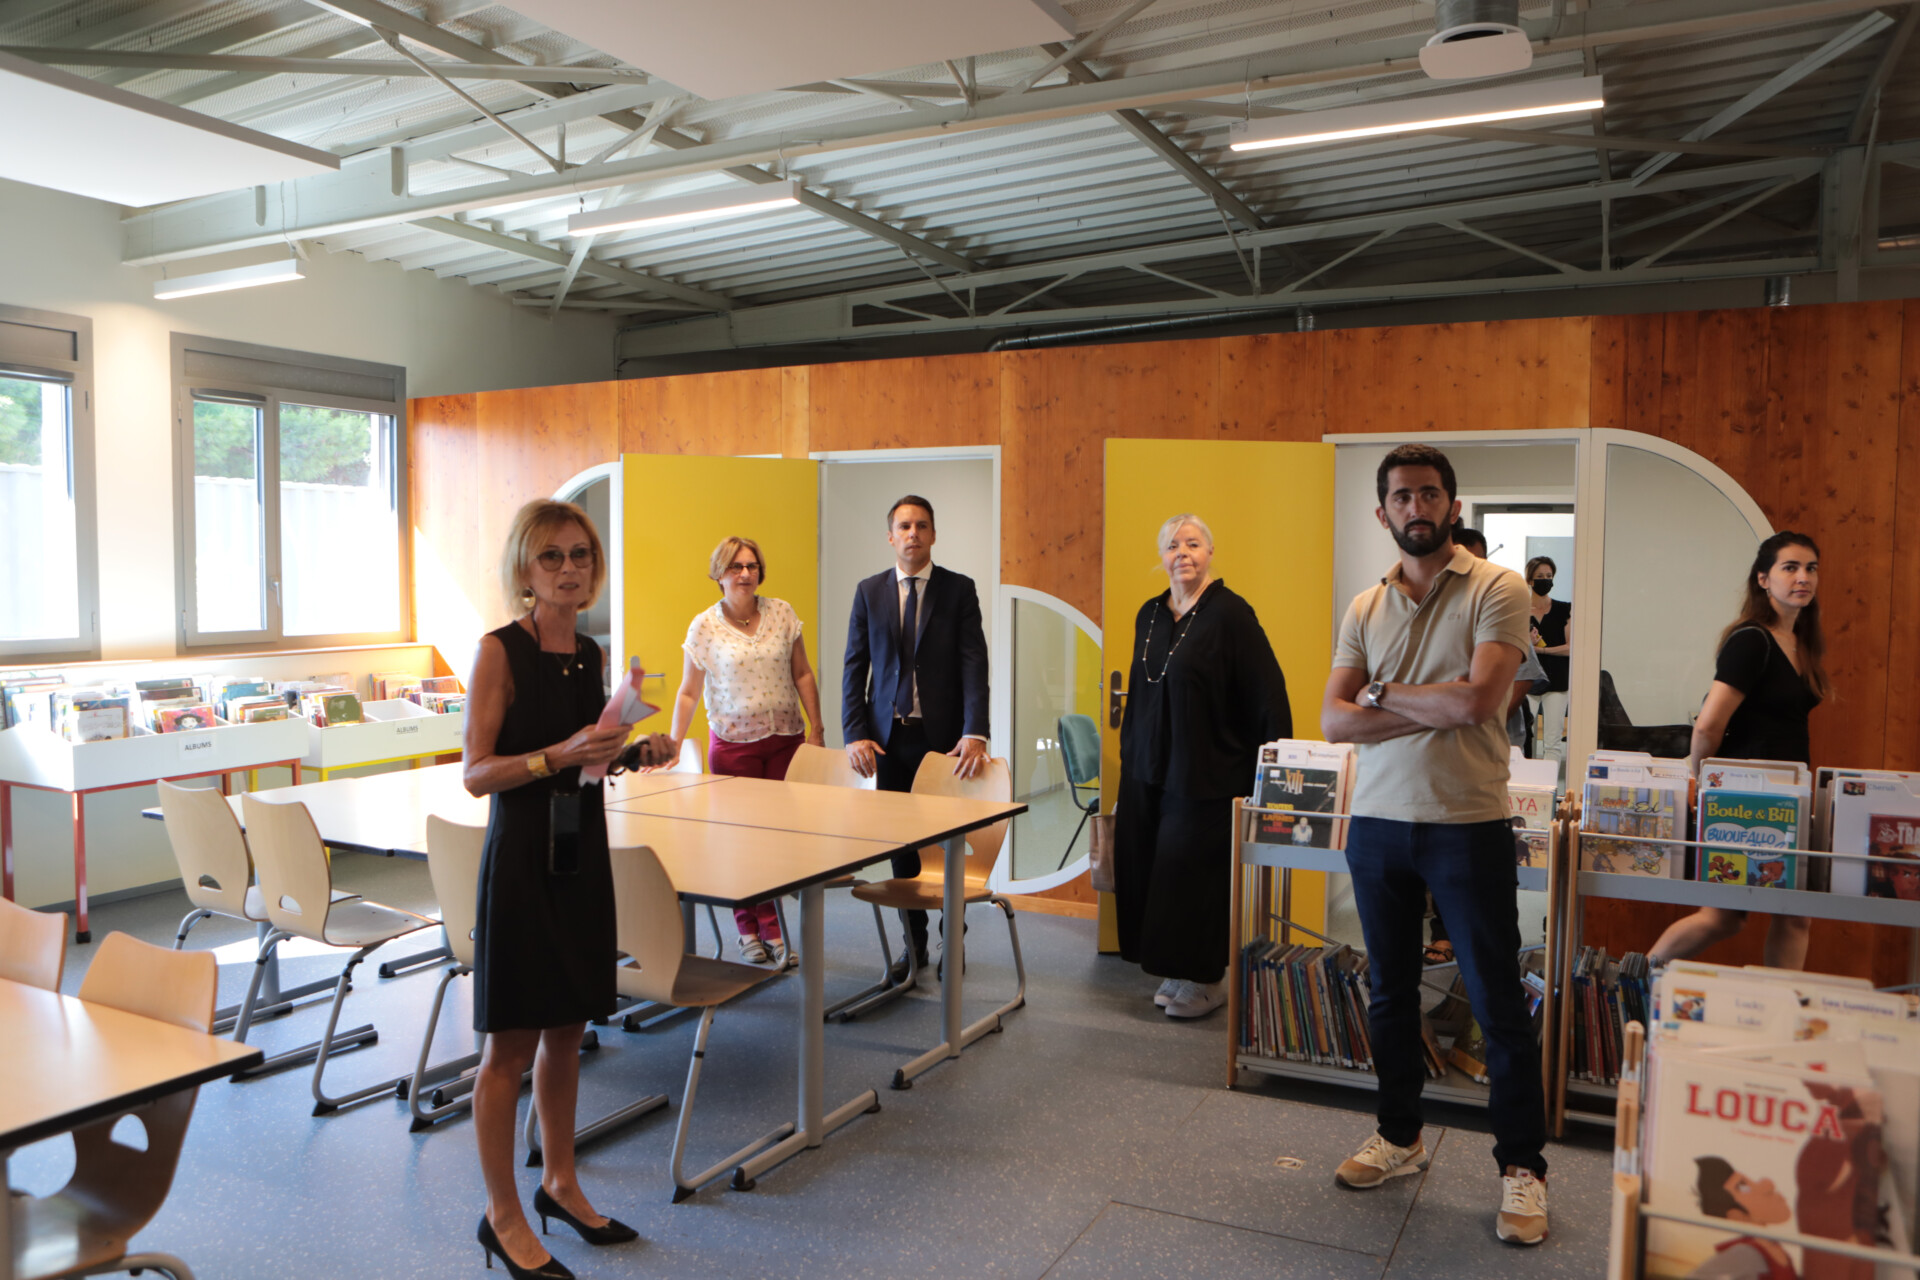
[1508, 375]
[1903, 581]
[444, 496]
[742, 412]
[918, 403]
[1713, 389]
[1057, 407]
[1273, 386]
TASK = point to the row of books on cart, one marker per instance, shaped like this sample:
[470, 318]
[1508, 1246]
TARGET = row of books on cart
[1297, 779]
[1754, 819]
[1606, 993]
[108, 710]
[1308, 1004]
[1777, 1103]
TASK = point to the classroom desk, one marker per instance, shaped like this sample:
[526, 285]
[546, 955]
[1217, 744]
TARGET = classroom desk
[65, 1063]
[899, 819]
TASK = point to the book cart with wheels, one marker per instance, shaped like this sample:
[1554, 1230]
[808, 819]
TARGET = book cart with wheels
[1626, 1233]
[34, 757]
[1262, 890]
[1570, 1099]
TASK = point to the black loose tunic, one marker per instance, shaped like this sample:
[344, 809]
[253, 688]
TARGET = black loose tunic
[1771, 722]
[544, 947]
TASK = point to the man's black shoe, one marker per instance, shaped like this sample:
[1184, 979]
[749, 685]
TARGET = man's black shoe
[898, 973]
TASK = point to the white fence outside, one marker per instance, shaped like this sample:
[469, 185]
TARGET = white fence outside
[39, 582]
[339, 557]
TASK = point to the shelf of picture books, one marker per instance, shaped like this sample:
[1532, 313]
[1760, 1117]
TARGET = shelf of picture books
[1297, 1000]
[1760, 836]
[1769, 1126]
[401, 717]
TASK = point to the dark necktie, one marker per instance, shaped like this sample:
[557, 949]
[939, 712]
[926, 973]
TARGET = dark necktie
[903, 692]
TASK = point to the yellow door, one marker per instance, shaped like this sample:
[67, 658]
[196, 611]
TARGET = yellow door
[675, 510]
[1270, 507]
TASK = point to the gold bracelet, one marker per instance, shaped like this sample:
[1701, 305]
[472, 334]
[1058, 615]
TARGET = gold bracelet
[537, 765]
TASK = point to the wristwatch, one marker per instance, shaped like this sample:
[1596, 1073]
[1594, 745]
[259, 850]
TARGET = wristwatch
[1375, 693]
[537, 765]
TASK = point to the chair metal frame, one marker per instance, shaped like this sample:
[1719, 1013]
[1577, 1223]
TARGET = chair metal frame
[1075, 785]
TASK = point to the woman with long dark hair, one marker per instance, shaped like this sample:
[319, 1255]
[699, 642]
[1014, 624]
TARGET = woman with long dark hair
[1769, 676]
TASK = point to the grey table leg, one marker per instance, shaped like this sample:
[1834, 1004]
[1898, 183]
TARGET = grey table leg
[953, 959]
[6, 1218]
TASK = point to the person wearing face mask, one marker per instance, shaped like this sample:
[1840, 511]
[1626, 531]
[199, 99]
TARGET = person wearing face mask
[1204, 692]
[1549, 621]
[1768, 677]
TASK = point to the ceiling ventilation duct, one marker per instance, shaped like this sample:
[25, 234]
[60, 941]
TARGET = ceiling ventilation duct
[1475, 38]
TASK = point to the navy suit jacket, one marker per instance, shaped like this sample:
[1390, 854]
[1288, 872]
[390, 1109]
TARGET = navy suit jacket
[950, 660]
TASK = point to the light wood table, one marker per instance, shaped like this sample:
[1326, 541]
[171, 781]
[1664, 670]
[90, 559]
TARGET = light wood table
[898, 820]
[65, 1063]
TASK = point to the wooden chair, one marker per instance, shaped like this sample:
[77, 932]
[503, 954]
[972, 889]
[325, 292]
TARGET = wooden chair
[296, 880]
[453, 860]
[116, 1189]
[825, 767]
[33, 945]
[660, 970]
[216, 868]
[926, 893]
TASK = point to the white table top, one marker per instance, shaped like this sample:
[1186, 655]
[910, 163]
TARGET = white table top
[898, 818]
[65, 1062]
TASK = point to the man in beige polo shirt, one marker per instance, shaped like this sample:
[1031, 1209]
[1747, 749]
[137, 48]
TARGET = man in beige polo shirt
[1421, 677]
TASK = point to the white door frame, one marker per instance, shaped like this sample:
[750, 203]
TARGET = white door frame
[1002, 880]
[614, 539]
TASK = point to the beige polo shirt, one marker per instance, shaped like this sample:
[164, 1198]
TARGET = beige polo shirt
[1435, 775]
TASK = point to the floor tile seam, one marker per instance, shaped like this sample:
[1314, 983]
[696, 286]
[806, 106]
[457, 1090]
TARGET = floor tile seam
[1259, 1231]
[1393, 1254]
[1081, 1235]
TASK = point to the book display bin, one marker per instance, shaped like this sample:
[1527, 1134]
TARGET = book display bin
[394, 731]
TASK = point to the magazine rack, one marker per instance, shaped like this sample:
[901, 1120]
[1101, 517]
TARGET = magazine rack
[394, 731]
[34, 757]
[1457, 1086]
[1581, 885]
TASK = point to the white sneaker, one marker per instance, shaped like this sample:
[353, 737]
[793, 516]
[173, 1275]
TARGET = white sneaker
[1523, 1207]
[752, 950]
[1197, 999]
[1378, 1161]
[1168, 989]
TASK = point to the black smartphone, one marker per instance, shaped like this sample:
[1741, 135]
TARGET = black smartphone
[563, 833]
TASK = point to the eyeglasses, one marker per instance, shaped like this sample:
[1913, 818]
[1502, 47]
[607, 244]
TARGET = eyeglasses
[743, 566]
[553, 559]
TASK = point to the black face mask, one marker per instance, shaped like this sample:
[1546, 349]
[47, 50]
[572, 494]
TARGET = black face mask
[1541, 586]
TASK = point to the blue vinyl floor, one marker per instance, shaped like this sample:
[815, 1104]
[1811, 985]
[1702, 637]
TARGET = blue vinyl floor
[1094, 1138]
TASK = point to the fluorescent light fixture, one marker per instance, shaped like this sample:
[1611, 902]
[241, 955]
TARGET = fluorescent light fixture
[1438, 111]
[701, 207]
[232, 278]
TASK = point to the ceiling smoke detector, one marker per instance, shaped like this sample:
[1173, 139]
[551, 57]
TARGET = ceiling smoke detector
[1475, 38]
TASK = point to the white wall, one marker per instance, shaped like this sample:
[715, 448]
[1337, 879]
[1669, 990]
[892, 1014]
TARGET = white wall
[854, 497]
[62, 253]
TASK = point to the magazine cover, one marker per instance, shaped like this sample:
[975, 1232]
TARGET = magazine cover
[1756, 827]
[1628, 811]
[1894, 836]
[1304, 791]
[179, 719]
[1532, 815]
[1770, 1146]
[342, 708]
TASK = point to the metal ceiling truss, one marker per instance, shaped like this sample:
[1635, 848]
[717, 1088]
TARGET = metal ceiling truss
[1740, 187]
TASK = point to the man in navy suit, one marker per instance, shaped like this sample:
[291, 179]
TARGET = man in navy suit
[915, 678]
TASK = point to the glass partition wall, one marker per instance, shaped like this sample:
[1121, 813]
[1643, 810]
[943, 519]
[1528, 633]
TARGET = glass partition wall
[1054, 693]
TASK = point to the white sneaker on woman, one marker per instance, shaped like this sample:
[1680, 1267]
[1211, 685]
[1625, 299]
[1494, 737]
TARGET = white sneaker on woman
[752, 950]
[1197, 999]
[1168, 989]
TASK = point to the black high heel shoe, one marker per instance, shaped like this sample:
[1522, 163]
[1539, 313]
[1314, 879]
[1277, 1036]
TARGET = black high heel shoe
[551, 1269]
[615, 1232]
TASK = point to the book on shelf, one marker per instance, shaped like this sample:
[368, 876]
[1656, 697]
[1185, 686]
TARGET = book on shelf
[440, 684]
[386, 686]
[24, 698]
[1303, 778]
[1878, 815]
[1606, 993]
[1624, 798]
[1755, 811]
[1304, 1004]
[331, 707]
[178, 719]
[1531, 800]
[439, 704]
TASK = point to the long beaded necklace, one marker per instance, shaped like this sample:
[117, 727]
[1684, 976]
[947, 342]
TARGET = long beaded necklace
[1179, 634]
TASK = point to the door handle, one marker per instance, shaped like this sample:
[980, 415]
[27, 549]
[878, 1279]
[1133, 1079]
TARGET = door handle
[1116, 698]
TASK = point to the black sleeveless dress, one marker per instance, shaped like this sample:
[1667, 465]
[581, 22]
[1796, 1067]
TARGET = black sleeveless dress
[544, 948]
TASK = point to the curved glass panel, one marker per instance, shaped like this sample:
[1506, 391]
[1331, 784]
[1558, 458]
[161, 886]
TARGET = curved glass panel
[1056, 673]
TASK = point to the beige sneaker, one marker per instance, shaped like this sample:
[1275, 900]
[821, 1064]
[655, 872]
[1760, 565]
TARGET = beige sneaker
[1378, 1161]
[1523, 1207]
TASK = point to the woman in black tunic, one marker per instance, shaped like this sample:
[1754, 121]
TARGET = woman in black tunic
[1549, 620]
[1204, 693]
[544, 946]
[1769, 676]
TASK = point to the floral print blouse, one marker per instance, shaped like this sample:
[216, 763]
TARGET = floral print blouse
[750, 692]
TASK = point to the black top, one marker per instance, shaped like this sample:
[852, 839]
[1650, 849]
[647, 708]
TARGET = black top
[1553, 630]
[544, 945]
[1771, 723]
[1196, 730]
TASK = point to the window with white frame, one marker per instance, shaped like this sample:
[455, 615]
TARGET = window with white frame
[292, 497]
[48, 581]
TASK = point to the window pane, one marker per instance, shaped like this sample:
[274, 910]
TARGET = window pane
[39, 579]
[339, 529]
[227, 529]
[1056, 677]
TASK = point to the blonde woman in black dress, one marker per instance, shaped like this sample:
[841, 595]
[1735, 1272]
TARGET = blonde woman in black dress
[544, 947]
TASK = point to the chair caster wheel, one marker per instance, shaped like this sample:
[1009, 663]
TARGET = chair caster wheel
[681, 1193]
[900, 1080]
[741, 1182]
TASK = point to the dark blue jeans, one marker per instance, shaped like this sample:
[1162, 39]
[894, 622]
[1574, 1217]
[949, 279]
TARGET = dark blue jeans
[1469, 869]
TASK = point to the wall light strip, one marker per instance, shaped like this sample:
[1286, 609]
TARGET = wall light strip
[232, 278]
[1439, 111]
[701, 207]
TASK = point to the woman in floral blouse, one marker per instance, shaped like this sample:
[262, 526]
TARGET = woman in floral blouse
[747, 656]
